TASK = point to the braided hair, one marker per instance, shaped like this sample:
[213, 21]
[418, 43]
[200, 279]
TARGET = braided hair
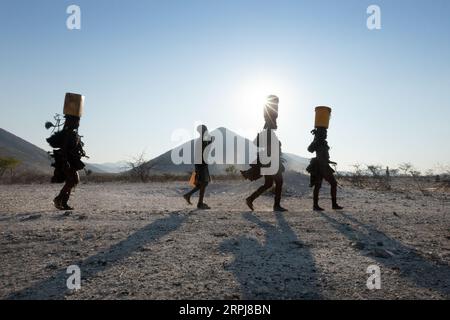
[72, 122]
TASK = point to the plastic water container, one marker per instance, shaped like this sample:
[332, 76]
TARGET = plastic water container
[323, 115]
[73, 105]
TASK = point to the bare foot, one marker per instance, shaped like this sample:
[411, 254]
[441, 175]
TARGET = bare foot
[249, 203]
[187, 198]
[279, 209]
[58, 203]
[203, 206]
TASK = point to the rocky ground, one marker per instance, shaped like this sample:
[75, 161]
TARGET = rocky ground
[142, 241]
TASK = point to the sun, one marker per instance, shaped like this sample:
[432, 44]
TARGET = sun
[253, 93]
[249, 97]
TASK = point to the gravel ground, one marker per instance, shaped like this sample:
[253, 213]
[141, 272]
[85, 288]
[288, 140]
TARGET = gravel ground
[142, 241]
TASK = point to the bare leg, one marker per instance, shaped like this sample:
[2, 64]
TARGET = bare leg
[278, 189]
[202, 193]
[72, 180]
[317, 187]
[268, 183]
[333, 183]
[188, 195]
[201, 204]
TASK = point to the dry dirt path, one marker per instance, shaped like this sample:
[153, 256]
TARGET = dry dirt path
[141, 241]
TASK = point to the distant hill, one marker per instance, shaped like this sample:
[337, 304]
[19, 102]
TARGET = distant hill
[295, 162]
[32, 158]
[35, 159]
[163, 163]
[111, 167]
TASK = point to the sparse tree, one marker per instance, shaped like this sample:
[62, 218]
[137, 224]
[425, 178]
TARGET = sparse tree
[381, 181]
[394, 172]
[140, 167]
[416, 175]
[357, 176]
[375, 170]
[8, 164]
[231, 170]
[443, 176]
[445, 171]
[405, 167]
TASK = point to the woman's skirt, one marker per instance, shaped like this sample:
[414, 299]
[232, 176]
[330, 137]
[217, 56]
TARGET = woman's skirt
[202, 174]
[318, 171]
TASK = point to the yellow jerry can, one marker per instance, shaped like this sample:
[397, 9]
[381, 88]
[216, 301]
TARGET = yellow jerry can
[73, 105]
[323, 115]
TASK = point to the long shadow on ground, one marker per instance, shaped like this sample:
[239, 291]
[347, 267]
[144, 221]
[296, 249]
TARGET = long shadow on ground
[56, 287]
[280, 268]
[423, 272]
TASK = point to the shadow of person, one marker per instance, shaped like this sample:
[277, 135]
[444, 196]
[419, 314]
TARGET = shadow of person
[282, 267]
[410, 263]
[56, 287]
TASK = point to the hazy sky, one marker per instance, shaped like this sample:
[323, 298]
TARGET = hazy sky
[148, 68]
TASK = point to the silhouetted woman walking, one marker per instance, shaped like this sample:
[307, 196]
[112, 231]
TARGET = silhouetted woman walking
[202, 177]
[68, 150]
[270, 117]
[319, 167]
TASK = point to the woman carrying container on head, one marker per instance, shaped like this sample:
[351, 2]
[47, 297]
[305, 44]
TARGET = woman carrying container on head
[319, 167]
[270, 147]
[68, 150]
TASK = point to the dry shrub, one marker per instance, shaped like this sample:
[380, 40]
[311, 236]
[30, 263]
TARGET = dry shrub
[26, 178]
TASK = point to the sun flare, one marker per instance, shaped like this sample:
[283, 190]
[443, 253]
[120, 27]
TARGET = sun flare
[253, 94]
